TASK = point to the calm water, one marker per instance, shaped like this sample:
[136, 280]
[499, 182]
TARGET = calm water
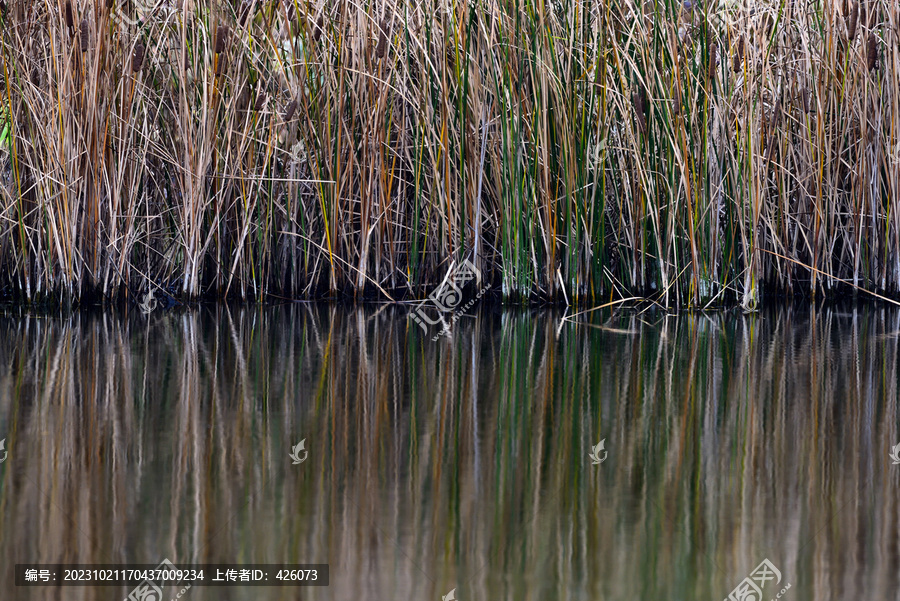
[462, 463]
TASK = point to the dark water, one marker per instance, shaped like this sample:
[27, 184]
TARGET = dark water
[458, 464]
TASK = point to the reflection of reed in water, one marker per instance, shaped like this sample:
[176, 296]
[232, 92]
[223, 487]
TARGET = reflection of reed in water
[458, 464]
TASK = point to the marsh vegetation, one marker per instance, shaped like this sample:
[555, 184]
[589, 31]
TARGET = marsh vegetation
[577, 151]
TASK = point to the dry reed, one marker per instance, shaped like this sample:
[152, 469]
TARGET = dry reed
[576, 151]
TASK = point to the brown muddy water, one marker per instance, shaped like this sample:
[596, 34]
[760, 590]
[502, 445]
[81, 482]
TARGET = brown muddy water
[459, 469]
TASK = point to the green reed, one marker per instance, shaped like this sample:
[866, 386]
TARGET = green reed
[577, 151]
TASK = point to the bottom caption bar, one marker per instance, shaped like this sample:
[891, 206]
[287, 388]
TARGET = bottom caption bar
[151, 577]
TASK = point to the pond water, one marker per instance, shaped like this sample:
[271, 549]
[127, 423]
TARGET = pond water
[462, 464]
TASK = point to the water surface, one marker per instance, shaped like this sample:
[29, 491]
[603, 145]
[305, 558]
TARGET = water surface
[462, 463]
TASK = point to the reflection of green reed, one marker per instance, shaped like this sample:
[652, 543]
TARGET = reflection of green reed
[463, 463]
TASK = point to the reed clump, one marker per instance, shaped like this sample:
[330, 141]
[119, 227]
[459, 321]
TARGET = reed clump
[690, 151]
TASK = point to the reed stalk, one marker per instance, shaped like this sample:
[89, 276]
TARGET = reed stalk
[577, 151]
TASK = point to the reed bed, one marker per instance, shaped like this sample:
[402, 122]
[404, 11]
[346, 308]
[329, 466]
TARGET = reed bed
[578, 151]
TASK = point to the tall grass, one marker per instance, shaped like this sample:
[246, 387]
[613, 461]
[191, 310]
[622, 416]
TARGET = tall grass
[576, 151]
